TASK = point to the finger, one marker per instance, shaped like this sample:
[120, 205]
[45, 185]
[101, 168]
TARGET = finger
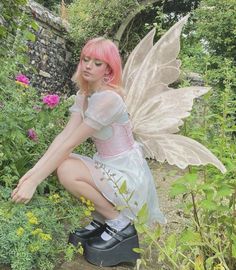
[19, 200]
[26, 201]
[14, 192]
[21, 181]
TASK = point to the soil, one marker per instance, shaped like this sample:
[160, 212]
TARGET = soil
[164, 175]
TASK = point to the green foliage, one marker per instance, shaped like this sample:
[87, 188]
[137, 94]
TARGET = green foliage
[216, 23]
[207, 241]
[90, 19]
[54, 5]
[32, 236]
[10, 12]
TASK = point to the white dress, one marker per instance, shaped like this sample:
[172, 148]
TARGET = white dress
[118, 168]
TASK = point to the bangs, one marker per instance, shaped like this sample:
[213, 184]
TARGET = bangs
[95, 50]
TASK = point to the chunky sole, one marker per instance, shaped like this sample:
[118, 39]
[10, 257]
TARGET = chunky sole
[120, 253]
[75, 240]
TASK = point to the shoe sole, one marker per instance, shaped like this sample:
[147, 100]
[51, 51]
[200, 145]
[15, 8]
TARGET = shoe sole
[120, 253]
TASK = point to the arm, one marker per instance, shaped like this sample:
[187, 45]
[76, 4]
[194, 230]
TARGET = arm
[25, 191]
[74, 121]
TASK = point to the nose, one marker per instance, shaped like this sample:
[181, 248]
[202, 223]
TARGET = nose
[89, 65]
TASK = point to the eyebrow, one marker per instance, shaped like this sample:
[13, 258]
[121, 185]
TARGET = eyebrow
[93, 58]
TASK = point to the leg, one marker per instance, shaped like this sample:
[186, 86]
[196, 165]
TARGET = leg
[74, 175]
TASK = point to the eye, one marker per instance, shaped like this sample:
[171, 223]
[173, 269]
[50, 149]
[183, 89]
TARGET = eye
[86, 59]
[98, 64]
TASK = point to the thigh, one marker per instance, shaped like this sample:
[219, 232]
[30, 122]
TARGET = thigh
[75, 169]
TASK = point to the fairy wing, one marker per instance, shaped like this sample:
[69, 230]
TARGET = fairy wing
[180, 150]
[156, 110]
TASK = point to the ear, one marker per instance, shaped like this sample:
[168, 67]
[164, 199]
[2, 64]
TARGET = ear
[108, 70]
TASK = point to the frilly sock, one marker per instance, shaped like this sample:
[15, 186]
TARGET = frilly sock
[118, 224]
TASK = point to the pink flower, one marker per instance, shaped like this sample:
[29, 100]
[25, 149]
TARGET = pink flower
[32, 134]
[23, 80]
[51, 100]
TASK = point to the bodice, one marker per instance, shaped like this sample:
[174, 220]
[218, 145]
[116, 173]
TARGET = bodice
[121, 140]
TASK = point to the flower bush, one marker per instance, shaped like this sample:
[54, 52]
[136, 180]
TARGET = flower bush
[32, 236]
[51, 100]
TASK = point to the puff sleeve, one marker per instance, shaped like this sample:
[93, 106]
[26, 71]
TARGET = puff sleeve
[104, 108]
[78, 104]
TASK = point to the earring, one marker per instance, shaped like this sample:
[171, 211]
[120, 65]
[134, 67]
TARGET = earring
[108, 78]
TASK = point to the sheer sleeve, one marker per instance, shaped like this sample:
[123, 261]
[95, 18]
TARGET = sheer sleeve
[78, 104]
[103, 109]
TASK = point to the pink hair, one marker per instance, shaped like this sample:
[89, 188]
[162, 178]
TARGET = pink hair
[106, 51]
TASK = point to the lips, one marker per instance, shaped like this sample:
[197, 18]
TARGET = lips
[86, 73]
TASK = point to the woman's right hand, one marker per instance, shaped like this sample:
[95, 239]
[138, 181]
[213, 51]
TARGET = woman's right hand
[22, 180]
[26, 176]
[24, 191]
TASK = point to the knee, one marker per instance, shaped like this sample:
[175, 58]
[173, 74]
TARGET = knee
[63, 171]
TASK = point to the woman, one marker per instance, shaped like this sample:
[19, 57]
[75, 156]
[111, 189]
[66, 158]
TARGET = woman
[117, 180]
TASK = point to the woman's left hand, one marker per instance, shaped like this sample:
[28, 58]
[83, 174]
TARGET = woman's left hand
[24, 192]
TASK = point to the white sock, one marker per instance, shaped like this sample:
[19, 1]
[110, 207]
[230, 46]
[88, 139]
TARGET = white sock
[118, 224]
[90, 227]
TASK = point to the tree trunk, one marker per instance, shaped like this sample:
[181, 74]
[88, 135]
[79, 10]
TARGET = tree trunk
[130, 17]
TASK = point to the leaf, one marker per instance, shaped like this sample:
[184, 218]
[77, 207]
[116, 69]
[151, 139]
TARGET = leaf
[34, 25]
[120, 207]
[208, 205]
[29, 36]
[143, 214]
[234, 250]
[177, 189]
[190, 237]
[138, 250]
[123, 188]
[171, 242]
[225, 190]
[199, 263]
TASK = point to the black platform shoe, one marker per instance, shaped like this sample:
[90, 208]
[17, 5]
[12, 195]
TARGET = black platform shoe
[119, 249]
[82, 235]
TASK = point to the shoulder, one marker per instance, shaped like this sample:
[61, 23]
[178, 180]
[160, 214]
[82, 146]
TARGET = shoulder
[107, 95]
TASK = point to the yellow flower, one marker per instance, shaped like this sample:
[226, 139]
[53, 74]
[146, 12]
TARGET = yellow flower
[87, 213]
[32, 218]
[91, 208]
[55, 198]
[88, 203]
[81, 250]
[37, 231]
[45, 236]
[219, 267]
[83, 200]
[22, 84]
[20, 231]
[33, 247]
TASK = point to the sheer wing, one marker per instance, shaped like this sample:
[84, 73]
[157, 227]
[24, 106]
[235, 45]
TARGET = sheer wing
[156, 110]
[158, 67]
[179, 150]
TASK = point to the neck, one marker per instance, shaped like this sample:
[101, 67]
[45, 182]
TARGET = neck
[96, 87]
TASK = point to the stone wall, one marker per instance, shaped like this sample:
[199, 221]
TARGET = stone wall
[51, 53]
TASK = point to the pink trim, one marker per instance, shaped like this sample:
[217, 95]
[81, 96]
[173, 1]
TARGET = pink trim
[121, 141]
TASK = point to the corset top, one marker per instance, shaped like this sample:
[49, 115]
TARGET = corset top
[121, 140]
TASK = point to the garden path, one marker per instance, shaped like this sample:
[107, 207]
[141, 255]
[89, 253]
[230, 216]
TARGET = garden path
[164, 176]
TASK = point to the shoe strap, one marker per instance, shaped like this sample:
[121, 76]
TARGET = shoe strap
[96, 224]
[113, 233]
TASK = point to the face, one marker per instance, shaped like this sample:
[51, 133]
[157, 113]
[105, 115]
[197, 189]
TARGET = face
[93, 70]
